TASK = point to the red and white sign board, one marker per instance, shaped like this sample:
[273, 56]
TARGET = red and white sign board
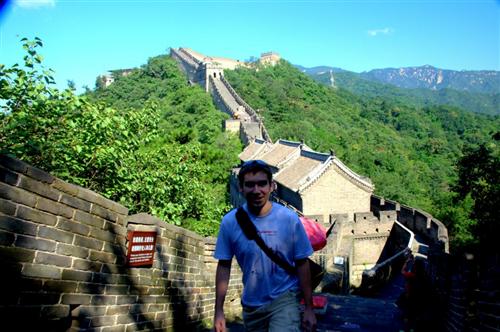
[141, 248]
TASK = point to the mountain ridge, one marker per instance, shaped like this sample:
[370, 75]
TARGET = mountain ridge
[426, 76]
[364, 84]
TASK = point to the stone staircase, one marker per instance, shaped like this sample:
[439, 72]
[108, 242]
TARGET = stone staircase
[230, 100]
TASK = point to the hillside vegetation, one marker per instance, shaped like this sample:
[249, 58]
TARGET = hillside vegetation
[148, 141]
[409, 152]
[476, 102]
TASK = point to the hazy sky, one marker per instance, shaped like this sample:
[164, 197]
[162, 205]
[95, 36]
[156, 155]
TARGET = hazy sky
[86, 38]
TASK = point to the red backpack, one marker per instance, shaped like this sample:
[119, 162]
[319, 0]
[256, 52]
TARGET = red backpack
[315, 232]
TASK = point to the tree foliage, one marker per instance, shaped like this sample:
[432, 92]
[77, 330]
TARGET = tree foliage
[148, 141]
[479, 181]
[409, 152]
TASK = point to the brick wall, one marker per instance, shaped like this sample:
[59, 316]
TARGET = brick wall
[332, 194]
[63, 252]
[431, 229]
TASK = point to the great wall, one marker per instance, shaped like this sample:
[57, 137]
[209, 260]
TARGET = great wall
[64, 248]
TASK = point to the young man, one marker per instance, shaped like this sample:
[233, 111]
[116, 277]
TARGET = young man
[270, 294]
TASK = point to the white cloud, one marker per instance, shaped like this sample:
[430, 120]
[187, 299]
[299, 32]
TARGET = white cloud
[376, 32]
[35, 3]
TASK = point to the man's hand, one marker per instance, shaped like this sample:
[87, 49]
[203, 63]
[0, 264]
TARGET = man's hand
[219, 322]
[221, 283]
[309, 320]
[304, 274]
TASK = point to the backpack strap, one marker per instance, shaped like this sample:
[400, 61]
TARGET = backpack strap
[250, 231]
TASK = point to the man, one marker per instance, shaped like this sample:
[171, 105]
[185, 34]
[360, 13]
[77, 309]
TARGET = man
[270, 301]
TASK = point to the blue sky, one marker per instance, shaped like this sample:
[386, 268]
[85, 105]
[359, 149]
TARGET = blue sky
[85, 38]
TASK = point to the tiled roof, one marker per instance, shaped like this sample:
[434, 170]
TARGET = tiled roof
[254, 149]
[297, 171]
[298, 165]
[279, 152]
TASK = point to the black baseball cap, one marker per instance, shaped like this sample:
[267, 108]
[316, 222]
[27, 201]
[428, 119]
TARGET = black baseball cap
[253, 166]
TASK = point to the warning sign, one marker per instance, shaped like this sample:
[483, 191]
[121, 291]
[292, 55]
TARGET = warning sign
[141, 248]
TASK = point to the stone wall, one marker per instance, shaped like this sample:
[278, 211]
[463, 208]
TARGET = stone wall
[429, 228]
[466, 291]
[63, 250]
[333, 193]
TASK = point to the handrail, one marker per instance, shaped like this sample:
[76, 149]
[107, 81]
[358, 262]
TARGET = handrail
[372, 272]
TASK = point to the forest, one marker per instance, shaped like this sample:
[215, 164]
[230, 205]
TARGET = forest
[149, 141]
[411, 153]
[155, 144]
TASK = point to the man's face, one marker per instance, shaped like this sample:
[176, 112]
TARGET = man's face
[256, 189]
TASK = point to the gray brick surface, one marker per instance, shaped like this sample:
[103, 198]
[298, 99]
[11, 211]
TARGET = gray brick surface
[126, 299]
[102, 257]
[13, 163]
[41, 271]
[60, 286]
[116, 328]
[102, 320]
[63, 186]
[86, 265]
[26, 213]
[6, 238]
[75, 202]
[68, 274]
[115, 229]
[104, 213]
[55, 234]
[54, 207]
[90, 288]
[17, 195]
[89, 219]
[8, 176]
[39, 175]
[54, 311]
[35, 243]
[72, 226]
[75, 299]
[13, 254]
[40, 188]
[102, 235]
[88, 310]
[88, 242]
[7, 207]
[117, 289]
[103, 299]
[52, 259]
[70, 250]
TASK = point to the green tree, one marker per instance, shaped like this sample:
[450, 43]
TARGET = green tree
[128, 150]
[408, 149]
[479, 179]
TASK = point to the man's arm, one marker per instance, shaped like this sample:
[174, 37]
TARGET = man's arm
[304, 274]
[221, 284]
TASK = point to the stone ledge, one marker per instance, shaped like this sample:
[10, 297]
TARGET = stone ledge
[24, 168]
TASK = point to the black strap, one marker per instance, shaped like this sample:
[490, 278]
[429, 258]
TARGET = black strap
[251, 233]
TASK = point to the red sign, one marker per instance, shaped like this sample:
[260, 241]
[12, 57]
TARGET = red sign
[141, 248]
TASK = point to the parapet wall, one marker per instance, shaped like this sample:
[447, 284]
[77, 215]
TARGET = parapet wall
[420, 222]
[63, 251]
